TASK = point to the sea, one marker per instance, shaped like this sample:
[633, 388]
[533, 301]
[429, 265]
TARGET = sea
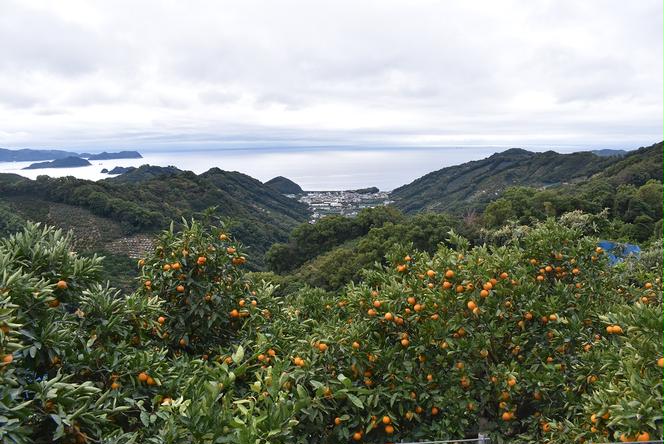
[319, 169]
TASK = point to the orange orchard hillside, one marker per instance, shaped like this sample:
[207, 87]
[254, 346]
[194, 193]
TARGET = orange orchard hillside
[539, 341]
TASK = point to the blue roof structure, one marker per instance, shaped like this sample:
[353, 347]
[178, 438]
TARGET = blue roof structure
[617, 252]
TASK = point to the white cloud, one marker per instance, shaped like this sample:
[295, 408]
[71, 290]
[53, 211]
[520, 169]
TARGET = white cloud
[163, 73]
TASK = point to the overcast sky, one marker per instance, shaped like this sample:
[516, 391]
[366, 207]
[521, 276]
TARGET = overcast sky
[160, 74]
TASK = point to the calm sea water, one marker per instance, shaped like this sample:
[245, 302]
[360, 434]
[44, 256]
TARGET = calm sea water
[319, 169]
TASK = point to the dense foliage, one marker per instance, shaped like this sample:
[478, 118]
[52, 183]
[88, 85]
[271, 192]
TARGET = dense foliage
[310, 240]
[636, 212]
[537, 340]
[332, 268]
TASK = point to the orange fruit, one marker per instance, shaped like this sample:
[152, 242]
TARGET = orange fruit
[151, 381]
[431, 273]
[115, 385]
[507, 416]
[180, 288]
[356, 345]
[357, 436]
[62, 285]
[511, 382]
[645, 436]
[405, 342]
[337, 421]
[434, 411]
[142, 376]
[376, 304]
[389, 429]
[660, 362]
[161, 320]
[388, 316]
[230, 250]
[8, 359]
[484, 293]
[504, 275]
[449, 274]
[322, 347]
[201, 260]
[471, 305]
[386, 420]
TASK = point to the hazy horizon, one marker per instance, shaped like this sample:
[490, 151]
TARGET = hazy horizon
[330, 168]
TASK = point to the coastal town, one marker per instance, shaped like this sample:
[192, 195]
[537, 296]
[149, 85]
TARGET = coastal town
[344, 203]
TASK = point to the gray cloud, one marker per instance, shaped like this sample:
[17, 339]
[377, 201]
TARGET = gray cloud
[373, 73]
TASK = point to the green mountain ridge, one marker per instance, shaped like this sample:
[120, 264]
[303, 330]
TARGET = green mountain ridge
[473, 184]
[146, 199]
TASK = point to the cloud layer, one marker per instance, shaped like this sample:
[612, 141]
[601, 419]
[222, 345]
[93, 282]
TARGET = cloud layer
[160, 74]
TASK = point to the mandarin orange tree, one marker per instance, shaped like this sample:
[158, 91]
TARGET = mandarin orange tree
[196, 274]
[537, 340]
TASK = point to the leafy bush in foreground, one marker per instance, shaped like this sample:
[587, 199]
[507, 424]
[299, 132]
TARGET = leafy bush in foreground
[537, 340]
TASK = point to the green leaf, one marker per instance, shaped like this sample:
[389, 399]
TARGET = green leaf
[355, 400]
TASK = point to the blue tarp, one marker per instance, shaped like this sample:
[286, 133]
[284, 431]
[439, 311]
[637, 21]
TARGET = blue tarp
[617, 252]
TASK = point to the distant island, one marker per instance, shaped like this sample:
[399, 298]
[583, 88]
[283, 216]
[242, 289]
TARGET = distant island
[118, 170]
[120, 155]
[67, 162]
[30, 155]
[609, 153]
[284, 185]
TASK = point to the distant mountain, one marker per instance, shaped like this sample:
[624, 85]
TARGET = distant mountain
[119, 155]
[609, 153]
[29, 155]
[284, 185]
[118, 170]
[475, 183]
[67, 162]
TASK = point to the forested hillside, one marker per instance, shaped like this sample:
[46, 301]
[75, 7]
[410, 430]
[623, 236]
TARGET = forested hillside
[631, 190]
[147, 199]
[474, 184]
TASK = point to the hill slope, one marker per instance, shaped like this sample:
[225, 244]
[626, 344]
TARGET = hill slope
[474, 183]
[147, 198]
